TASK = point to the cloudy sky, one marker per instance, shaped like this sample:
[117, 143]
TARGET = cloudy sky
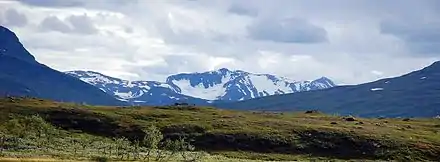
[348, 41]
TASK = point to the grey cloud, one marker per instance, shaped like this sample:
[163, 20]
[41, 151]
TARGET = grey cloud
[101, 4]
[242, 10]
[177, 63]
[292, 30]
[427, 48]
[412, 31]
[170, 36]
[100, 45]
[172, 64]
[187, 37]
[75, 24]
[13, 18]
[55, 24]
[123, 2]
[128, 29]
[184, 62]
[82, 24]
[53, 3]
[420, 37]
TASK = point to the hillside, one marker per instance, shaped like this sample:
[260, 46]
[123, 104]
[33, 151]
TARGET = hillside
[22, 75]
[222, 85]
[227, 133]
[415, 94]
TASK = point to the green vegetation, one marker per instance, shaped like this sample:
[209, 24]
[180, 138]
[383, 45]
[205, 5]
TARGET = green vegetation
[35, 137]
[33, 128]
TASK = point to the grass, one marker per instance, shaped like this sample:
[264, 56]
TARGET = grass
[225, 134]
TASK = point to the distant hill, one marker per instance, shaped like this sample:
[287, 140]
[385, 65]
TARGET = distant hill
[221, 85]
[22, 75]
[414, 94]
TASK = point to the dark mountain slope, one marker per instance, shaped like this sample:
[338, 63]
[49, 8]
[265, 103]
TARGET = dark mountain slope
[11, 88]
[22, 75]
[414, 94]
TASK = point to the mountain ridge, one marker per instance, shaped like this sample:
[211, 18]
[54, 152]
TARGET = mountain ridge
[201, 87]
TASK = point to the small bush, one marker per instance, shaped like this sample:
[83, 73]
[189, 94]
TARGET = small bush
[312, 112]
[406, 119]
[100, 159]
[350, 118]
[151, 141]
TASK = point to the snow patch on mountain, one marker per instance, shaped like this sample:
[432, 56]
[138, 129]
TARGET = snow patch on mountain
[199, 90]
[376, 89]
[265, 85]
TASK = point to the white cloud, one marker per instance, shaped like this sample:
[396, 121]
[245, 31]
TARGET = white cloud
[348, 41]
[375, 72]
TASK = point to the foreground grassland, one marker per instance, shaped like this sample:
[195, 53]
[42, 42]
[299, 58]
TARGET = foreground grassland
[33, 128]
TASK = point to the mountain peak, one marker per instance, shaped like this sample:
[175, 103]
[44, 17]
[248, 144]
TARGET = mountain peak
[326, 81]
[224, 69]
[11, 46]
[323, 78]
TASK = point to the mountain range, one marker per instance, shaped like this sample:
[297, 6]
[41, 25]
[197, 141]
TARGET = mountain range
[416, 94]
[222, 85]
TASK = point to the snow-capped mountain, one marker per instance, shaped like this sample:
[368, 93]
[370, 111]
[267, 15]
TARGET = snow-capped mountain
[200, 88]
[227, 85]
[135, 92]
